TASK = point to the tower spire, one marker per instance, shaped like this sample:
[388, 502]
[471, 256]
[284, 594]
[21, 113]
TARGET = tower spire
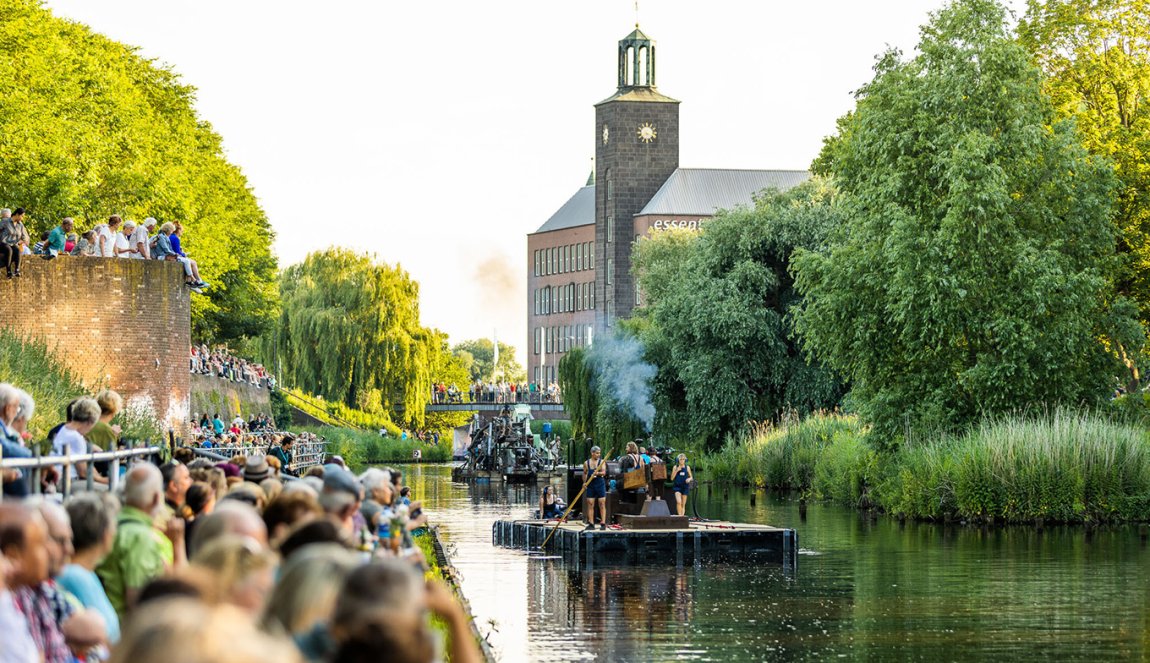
[636, 59]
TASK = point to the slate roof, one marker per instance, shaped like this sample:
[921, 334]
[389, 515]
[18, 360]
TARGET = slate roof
[578, 211]
[703, 191]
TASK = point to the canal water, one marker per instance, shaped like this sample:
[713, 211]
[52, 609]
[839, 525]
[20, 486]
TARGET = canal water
[864, 588]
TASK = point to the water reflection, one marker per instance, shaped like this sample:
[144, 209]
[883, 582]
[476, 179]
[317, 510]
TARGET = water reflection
[873, 589]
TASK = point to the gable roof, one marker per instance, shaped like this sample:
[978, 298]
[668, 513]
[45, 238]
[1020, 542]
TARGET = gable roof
[703, 191]
[578, 211]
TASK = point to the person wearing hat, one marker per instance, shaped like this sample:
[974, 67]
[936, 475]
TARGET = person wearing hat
[256, 469]
[596, 494]
[341, 498]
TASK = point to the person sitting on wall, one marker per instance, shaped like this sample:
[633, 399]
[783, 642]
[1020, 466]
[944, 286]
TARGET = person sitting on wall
[191, 267]
[14, 240]
[58, 239]
[550, 506]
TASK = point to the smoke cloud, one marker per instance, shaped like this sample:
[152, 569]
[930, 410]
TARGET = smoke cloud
[623, 375]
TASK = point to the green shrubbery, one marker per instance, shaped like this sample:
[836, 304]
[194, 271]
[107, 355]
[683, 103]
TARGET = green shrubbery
[360, 448]
[31, 365]
[337, 414]
[1062, 466]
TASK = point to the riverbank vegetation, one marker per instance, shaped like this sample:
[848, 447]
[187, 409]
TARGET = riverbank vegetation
[1062, 466]
[362, 448]
[29, 364]
[922, 281]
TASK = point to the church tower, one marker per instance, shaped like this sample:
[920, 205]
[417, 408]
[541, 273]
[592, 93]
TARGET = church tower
[636, 150]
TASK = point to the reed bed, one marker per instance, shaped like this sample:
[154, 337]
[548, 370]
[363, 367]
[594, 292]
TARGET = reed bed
[1060, 466]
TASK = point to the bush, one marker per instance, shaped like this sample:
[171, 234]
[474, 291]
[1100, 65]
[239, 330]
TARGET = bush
[338, 414]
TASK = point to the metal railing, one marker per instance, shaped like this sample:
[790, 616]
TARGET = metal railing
[38, 463]
[465, 397]
[304, 456]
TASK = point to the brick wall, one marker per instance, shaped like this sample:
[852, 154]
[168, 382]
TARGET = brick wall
[124, 324]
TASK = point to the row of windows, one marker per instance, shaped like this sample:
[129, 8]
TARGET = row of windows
[564, 259]
[550, 340]
[565, 298]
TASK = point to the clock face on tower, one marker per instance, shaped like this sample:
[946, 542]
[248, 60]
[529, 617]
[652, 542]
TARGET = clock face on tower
[647, 132]
[605, 134]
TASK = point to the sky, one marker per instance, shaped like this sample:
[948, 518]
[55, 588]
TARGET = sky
[436, 135]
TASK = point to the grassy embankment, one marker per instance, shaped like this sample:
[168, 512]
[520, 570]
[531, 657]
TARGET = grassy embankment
[30, 364]
[1058, 467]
[362, 448]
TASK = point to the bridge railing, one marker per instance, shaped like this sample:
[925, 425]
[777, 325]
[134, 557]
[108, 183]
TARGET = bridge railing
[485, 398]
[305, 455]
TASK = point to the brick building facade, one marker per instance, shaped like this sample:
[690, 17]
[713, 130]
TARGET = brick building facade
[637, 188]
[123, 324]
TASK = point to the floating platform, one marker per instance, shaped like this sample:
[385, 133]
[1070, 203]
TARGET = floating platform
[699, 541]
[460, 474]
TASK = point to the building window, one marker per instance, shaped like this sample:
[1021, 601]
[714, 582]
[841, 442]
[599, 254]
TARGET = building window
[591, 252]
[536, 262]
[579, 257]
[610, 227]
[610, 271]
[638, 295]
[592, 289]
[579, 298]
[538, 339]
[610, 186]
[566, 259]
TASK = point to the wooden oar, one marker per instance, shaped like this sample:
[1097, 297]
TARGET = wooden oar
[575, 501]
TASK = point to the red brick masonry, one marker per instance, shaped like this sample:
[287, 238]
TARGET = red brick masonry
[124, 324]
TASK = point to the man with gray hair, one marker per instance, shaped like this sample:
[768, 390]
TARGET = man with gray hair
[140, 552]
[140, 240]
[11, 446]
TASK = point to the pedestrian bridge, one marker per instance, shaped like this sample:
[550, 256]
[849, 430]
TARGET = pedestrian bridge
[538, 410]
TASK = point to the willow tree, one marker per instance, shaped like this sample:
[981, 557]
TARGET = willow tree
[89, 128]
[349, 331]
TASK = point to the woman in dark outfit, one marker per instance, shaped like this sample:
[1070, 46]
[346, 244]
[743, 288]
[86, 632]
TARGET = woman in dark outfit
[596, 494]
[683, 478]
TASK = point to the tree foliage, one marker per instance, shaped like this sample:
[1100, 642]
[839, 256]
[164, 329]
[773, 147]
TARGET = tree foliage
[477, 355]
[592, 404]
[717, 315]
[1096, 57]
[968, 276]
[350, 331]
[88, 128]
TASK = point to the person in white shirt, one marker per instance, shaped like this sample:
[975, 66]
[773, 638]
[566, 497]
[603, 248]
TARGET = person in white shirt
[84, 415]
[123, 246]
[106, 237]
[140, 239]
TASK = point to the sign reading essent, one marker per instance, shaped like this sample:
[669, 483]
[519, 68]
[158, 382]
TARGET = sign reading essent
[689, 224]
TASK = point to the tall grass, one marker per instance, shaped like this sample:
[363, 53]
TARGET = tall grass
[29, 364]
[1062, 466]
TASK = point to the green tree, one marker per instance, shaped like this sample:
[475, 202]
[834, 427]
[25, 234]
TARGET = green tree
[482, 352]
[717, 312]
[595, 412]
[1096, 57]
[968, 276]
[89, 128]
[349, 331]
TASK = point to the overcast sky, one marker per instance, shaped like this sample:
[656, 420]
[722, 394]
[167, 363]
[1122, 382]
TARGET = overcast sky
[438, 134]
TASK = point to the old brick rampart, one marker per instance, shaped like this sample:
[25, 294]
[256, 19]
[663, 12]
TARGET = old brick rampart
[124, 324]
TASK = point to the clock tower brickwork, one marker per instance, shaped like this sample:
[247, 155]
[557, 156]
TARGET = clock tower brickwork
[637, 149]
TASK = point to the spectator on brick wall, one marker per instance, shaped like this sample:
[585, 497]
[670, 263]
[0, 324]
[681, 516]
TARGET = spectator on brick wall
[86, 245]
[140, 240]
[70, 242]
[191, 267]
[123, 247]
[58, 238]
[41, 248]
[106, 237]
[13, 240]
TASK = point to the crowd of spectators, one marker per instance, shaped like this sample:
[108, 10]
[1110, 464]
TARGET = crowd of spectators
[115, 239]
[199, 561]
[220, 363]
[497, 392]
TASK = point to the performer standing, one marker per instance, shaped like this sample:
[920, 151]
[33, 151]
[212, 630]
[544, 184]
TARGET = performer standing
[596, 493]
[683, 478]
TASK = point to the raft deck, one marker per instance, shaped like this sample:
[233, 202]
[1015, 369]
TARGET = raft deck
[700, 541]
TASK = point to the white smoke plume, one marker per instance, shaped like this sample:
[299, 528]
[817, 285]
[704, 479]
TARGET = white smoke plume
[622, 374]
